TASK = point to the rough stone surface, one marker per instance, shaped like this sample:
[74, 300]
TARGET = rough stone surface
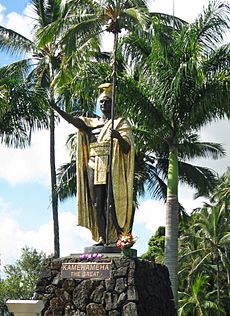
[97, 294]
[132, 293]
[121, 299]
[114, 313]
[120, 285]
[135, 288]
[110, 301]
[93, 309]
[81, 294]
[153, 288]
[130, 309]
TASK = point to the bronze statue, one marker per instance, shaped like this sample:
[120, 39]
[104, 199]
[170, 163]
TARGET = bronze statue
[93, 149]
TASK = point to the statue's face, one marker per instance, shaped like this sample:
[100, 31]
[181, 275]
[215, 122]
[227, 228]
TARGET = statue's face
[105, 105]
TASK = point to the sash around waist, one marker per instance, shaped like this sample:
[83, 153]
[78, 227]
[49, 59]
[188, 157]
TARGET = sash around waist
[99, 149]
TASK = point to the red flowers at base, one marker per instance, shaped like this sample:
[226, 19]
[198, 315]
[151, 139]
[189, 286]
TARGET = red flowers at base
[125, 240]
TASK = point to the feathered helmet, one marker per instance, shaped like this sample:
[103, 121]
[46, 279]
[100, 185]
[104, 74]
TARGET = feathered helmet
[105, 90]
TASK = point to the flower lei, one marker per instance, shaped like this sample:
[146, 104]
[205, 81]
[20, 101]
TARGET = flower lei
[125, 242]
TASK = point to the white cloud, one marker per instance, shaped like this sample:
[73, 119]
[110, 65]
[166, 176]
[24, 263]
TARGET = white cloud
[151, 213]
[185, 197]
[2, 9]
[217, 132]
[21, 23]
[32, 164]
[187, 10]
[73, 238]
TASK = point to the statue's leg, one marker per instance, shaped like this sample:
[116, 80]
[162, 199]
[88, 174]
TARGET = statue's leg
[98, 196]
[112, 212]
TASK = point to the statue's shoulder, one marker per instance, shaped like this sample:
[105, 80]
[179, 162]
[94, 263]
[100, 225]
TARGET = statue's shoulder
[121, 121]
[91, 121]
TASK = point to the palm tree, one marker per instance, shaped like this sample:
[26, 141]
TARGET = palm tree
[213, 229]
[44, 62]
[184, 73]
[184, 80]
[203, 245]
[221, 192]
[78, 30]
[23, 107]
[82, 31]
[221, 196]
[197, 302]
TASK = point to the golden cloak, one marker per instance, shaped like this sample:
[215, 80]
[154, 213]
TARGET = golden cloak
[122, 178]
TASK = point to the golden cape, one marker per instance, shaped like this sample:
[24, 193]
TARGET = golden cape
[122, 178]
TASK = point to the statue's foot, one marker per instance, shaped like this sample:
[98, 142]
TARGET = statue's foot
[100, 242]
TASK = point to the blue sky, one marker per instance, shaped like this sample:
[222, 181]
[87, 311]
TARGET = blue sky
[25, 213]
[12, 5]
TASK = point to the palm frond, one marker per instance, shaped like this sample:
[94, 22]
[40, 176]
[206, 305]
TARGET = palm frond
[168, 20]
[211, 25]
[200, 178]
[80, 32]
[18, 69]
[13, 43]
[191, 148]
[66, 180]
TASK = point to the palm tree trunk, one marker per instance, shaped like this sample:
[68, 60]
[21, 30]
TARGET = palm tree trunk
[218, 280]
[171, 230]
[53, 185]
[228, 274]
[53, 175]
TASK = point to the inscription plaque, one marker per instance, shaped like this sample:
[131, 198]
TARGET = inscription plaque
[86, 270]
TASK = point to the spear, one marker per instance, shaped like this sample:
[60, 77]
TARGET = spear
[114, 13]
[109, 184]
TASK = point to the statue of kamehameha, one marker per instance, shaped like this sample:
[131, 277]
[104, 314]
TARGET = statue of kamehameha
[93, 150]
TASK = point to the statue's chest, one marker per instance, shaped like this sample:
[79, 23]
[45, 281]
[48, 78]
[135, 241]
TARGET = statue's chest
[93, 137]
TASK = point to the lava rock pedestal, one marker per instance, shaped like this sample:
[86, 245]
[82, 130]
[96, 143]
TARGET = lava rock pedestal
[135, 288]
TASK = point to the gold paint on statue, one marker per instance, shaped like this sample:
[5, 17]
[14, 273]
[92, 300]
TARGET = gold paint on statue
[122, 175]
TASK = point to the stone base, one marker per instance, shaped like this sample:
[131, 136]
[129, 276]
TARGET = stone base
[102, 249]
[107, 250]
[135, 288]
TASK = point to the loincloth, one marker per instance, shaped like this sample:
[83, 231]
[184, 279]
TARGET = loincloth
[99, 157]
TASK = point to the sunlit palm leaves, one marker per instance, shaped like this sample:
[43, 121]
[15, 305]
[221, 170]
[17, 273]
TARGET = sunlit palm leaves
[186, 78]
[44, 61]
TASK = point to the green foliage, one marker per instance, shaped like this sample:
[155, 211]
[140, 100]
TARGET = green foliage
[204, 260]
[199, 301]
[23, 105]
[222, 190]
[156, 244]
[204, 256]
[177, 72]
[21, 278]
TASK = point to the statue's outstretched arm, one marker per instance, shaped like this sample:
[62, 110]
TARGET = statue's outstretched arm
[75, 121]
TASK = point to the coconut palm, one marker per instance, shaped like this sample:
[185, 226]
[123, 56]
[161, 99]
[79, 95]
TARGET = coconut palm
[184, 74]
[112, 16]
[221, 192]
[82, 25]
[221, 196]
[23, 107]
[198, 302]
[203, 248]
[44, 62]
[213, 229]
